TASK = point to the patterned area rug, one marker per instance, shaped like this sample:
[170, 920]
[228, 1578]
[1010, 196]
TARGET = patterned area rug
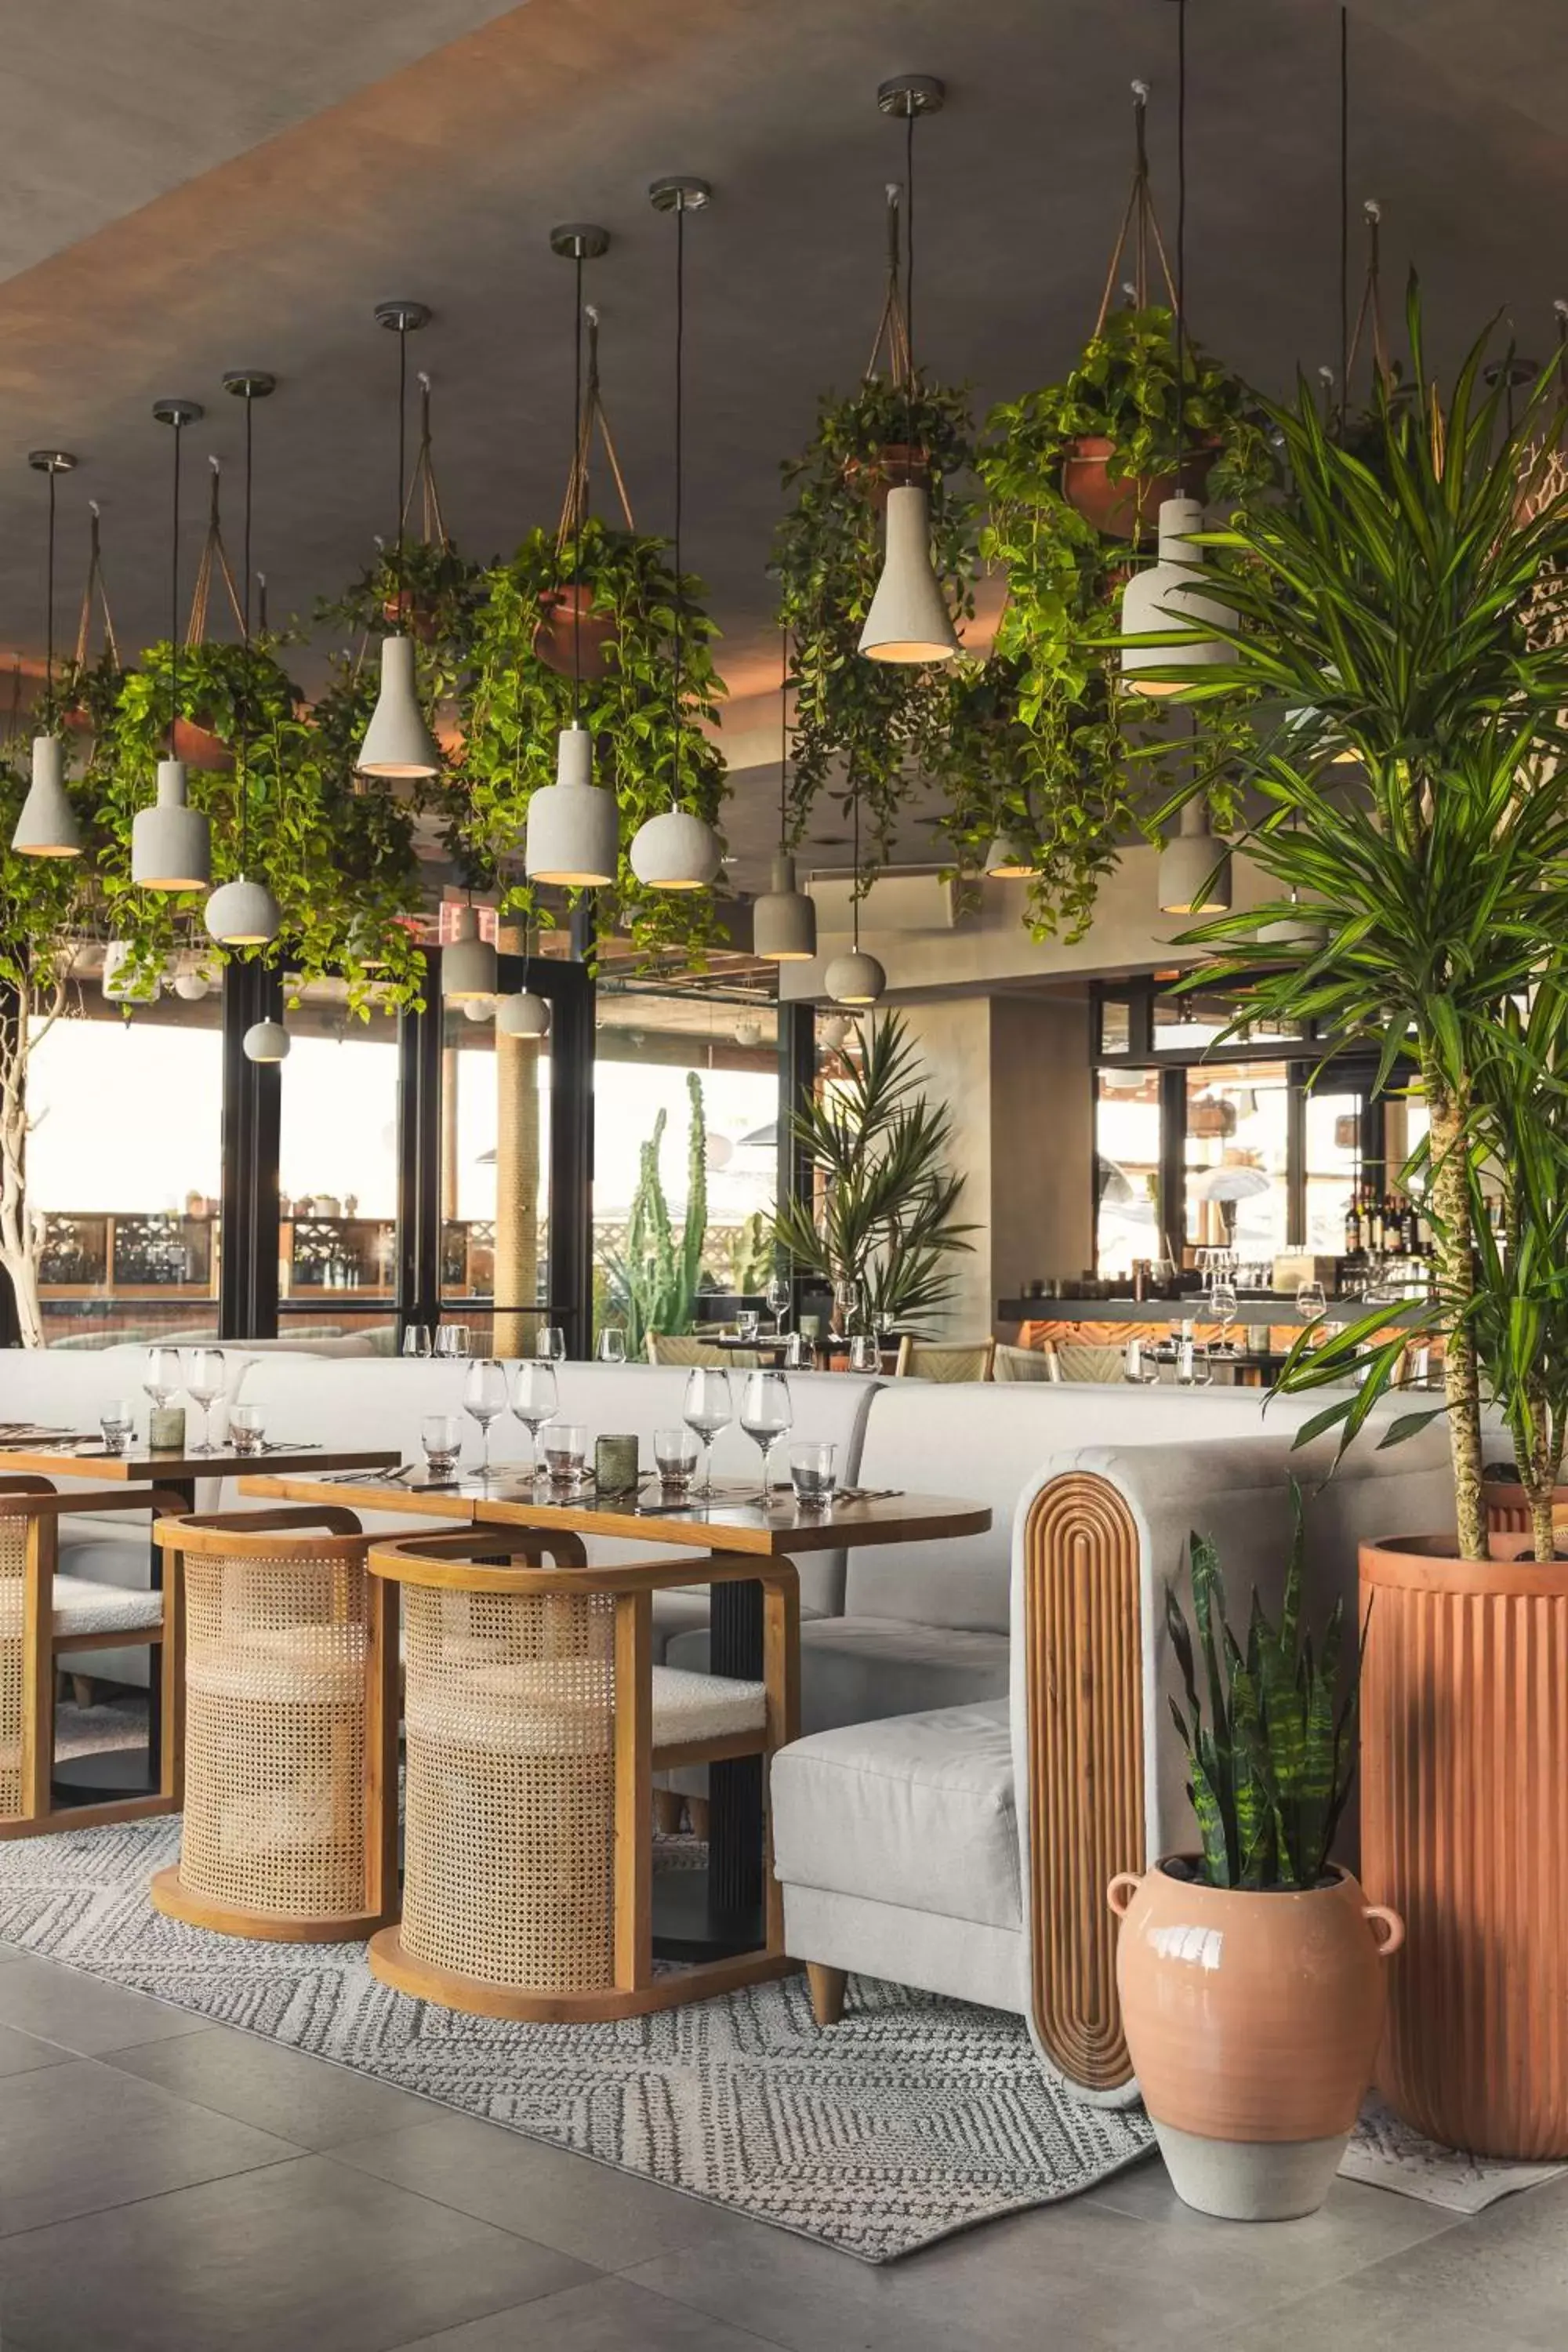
[914, 2118]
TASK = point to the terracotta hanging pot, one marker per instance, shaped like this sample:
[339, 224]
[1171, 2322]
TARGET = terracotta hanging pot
[1126, 508]
[568, 621]
[406, 614]
[896, 466]
[199, 746]
[1507, 1508]
[1252, 2021]
[1464, 1762]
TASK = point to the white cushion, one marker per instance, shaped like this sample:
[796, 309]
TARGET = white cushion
[916, 1811]
[82, 1607]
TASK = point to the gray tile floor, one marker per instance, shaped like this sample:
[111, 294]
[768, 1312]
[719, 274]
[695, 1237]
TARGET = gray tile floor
[167, 2184]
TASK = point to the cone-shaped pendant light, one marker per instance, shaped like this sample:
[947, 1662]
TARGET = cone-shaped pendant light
[46, 825]
[909, 620]
[171, 842]
[677, 850]
[468, 972]
[1007, 860]
[244, 913]
[784, 919]
[856, 978]
[1194, 868]
[397, 743]
[1168, 595]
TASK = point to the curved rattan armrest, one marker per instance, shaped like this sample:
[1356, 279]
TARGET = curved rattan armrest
[470, 1562]
[267, 1534]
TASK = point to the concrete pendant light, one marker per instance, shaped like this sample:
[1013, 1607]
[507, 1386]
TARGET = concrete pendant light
[46, 825]
[397, 743]
[171, 842]
[784, 919]
[468, 973]
[523, 1015]
[677, 850]
[1170, 595]
[266, 1041]
[1298, 932]
[1008, 861]
[909, 620]
[573, 835]
[856, 978]
[244, 913]
[1194, 868]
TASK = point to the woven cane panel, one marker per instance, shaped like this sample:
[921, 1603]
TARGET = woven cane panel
[508, 1713]
[275, 1734]
[13, 1578]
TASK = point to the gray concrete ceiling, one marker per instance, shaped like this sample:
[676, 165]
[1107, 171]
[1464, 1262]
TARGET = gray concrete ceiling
[189, 190]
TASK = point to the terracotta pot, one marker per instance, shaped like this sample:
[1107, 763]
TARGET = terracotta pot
[199, 747]
[1508, 1508]
[897, 466]
[557, 628]
[1463, 1777]
[1128, 508]
[1252, 2022]
[406, 614]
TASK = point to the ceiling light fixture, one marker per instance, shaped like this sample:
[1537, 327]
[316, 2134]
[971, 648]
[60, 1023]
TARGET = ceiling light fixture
[677, 850]
[46, 825]
[1007, 860]
[1168, 594]
[855, 977]
[468, 969]
[244, 913]
[266, 1041]
[572, 833]
[526, 1014]
[909, 620]
[784, 919]
[1194, 868]
[171, 842]
[397, 743]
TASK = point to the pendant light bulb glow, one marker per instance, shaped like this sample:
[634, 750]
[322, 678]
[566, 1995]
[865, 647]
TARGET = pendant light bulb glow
[855, 979]
[47, 827]
[265, 1042]
[171, 842]
[909, 620]
[468, 973]
[1194, 868]
[1007, 860]
[1170, 595]
[397, 743]
[243, 914]
[573, 827]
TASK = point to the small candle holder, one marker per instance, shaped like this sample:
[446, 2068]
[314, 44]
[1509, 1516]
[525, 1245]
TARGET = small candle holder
[166, 1429]
[616, 1465]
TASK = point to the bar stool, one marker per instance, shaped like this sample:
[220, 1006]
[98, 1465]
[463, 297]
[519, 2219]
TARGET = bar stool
[288, 1700]
[534, 1720]
[44, 1617]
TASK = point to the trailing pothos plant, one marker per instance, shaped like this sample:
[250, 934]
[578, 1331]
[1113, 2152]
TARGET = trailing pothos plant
[512, 707]
[862, 728]
[1075, 787]
[430, 592]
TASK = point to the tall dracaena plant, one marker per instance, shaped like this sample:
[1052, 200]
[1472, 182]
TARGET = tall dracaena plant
[513, 706]
[1410, 610]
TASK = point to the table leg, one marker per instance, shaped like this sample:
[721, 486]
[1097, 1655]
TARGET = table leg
[704, 1916]
[121, 1771]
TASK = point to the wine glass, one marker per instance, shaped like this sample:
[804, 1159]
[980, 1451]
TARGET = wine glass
[534, 1401]
[484, 1400]
[1311, 1301]
[203, 1386]
[550, 1347]
[709, 1408]
[767, 1415]
[613, 1347]
[779, 1296]
[416, 1339]
[453, 1340]
[1222, 1305]
[846, 1301]
[160, 1374]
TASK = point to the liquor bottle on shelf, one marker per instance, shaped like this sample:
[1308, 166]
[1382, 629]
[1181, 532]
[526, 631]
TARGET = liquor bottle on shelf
[1371, 1222]
[1354, 1227]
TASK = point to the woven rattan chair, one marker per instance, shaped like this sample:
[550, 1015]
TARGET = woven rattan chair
[1081, 1360]
[289, 1703]
[44, 1617]
[1021, 1363]
[962, 1359]
[667, 1348]
[535, 1719]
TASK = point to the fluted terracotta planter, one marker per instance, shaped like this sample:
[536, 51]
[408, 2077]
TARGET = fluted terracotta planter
[1129, 506]
[1252, 2021]
[1508, 1507]
[1463, 1777]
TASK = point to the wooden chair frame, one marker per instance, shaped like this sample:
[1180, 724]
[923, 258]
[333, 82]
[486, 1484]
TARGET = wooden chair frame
[39, 1500]
[449, 1562]
[313, 1531]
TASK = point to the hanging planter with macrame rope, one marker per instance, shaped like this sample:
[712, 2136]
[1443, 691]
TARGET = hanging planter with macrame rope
[197, 741]
[92, 681]
[894, 464]
[429, 564]
[572, 632]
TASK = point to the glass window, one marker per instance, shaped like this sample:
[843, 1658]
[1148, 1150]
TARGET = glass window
[1115, 1025]
[123, 1161]
[337, 1170]
[1188, 1024]
[1237, 1158]
[1127, 1169]
[495, 1182]
[1333, 1172]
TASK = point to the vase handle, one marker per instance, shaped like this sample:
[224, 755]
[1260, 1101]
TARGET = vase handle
[1386, 1945]
[1125, 1885]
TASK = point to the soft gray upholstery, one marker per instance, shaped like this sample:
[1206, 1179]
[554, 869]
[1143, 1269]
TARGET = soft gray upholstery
[853, 1669]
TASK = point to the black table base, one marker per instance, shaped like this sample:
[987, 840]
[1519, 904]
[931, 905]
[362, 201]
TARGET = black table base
[689, 1922]
[104, 1777]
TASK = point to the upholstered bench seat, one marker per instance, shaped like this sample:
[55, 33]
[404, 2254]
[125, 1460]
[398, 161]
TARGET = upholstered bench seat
[852, 1668]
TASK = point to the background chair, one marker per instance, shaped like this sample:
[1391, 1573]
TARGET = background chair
[667, 1348]
[942, 1360]
[1076, 1362]
[1022, 1363]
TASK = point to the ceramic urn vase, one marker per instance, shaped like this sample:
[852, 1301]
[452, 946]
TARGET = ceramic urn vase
[1252, 2022]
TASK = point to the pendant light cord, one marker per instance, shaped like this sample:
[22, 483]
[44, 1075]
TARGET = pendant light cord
[179, 424]
[402, 462]
[680, 450]
[910, 277]
[1344, 215]
[49, 614]
[855, 883]
[1181, 236]
[784, 737]
[582, 489]
[249, 664]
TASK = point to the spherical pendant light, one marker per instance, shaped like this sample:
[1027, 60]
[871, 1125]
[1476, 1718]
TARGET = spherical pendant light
[478, 1008]
[266, 1041]
[1298, 932]
[243, 914]
[1194, 868]
[47, 827]
[909, 620]
[1008, 861]
[191, 986]
[469, 964]
[171, 842]
[832, 1031]
[855, 979]
[1170, 595]
[523, 1015]
[784, 919]
[676, 851]
[573, 826]
[397, 743]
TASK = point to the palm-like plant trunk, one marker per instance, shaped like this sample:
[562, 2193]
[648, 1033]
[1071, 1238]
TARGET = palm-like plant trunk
[21, 1232]
[1455, 1276]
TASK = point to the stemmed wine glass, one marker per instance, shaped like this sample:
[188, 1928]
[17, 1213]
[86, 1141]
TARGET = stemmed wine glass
[484, 1400]
[160, 1375]
[779, 1296]
[709, 1408]
[203, 1386]
[1311, 1302]
[1223, 1305]
[766, 1416]
[534, 1401]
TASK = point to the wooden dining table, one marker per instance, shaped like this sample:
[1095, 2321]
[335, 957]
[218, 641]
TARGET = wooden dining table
[698, 1914]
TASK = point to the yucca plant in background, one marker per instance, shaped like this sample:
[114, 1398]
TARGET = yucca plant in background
[1272, 1766]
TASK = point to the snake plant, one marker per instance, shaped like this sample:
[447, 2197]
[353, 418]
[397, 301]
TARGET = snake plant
[1272, 1766]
